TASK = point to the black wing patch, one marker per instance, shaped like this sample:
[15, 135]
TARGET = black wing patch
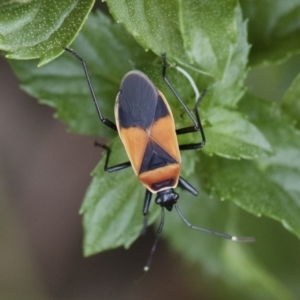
[155, 157]
[137, 101]
[161, 109]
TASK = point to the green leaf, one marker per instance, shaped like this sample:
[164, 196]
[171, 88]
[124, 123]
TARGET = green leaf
[268, 186]
[231, 135]
[40, 29]
[274, 29]
[291, 100]
[154, 24]
[229, 89]
[202, 35]
[253, 189]
[112, 214]
[208, 43]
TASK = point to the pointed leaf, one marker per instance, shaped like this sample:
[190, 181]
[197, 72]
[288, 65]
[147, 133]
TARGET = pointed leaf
[209, 43]
[231, 135]
[40, 29]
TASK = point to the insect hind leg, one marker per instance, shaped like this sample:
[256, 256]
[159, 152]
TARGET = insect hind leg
[114, 168]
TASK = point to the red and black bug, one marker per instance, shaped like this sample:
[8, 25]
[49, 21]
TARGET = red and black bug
[146, 127]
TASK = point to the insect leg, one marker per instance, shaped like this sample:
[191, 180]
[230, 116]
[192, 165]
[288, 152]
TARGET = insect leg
[197, 122]
[166, 80]
[186, 186]
[191, 129]
[115, 168]
[223, 235]
[159, 230]
[105, 121]
[147, 201]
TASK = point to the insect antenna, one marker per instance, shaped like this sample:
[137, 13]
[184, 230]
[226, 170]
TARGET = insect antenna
[159, 230]
[224, 235]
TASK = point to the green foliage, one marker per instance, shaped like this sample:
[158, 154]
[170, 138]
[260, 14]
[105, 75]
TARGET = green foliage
[40, 29]
[291, 102]
[252, 152]
[274, 29]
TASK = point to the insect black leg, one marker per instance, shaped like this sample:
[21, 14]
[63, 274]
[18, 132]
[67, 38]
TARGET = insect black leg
[112, 168]
[224, 235]
[166, 80]
[191, 129]
[197, 122]
[186, 186]
[159, 230]
[147, 201]
[105, 121]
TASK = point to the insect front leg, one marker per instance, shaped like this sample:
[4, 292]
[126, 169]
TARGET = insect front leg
[104, 120]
